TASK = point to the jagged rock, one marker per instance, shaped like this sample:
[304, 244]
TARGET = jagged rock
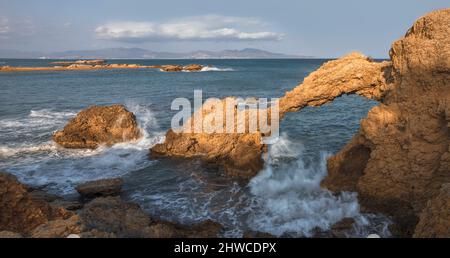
[171, 68]
[435, 217]
[100, 188]
[238, 153]
[401, 156]
[20, 212]
[9, 234]
[112, 217]
[351, 74]
[193, 67]
[99, 125]
[58, 228]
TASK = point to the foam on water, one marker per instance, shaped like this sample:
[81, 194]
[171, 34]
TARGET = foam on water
[291, 202]
[215, 69]
[39, 161]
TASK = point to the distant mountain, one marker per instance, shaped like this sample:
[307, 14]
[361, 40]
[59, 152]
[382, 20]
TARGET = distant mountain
[139, 53]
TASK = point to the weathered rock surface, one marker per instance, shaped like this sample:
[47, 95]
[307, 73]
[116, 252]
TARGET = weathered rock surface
[171, 68]
[435, 217]
[112, 217]
[19, 212]
[100, 188]
[351, 74]
[401, 155]
[238, 153]
[9, 234]
[193, 67]
[99, 125]
[37, 216]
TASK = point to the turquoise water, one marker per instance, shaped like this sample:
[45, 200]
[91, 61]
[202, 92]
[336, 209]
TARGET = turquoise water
[284, 199]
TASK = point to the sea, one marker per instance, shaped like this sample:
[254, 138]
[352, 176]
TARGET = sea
[284, 199]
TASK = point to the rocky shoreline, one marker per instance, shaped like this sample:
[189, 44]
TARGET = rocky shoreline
[83, 65]
[99, 212]
[398, 162]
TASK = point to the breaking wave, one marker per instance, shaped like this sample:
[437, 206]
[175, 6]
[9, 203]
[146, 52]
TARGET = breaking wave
[39, 161]
[291, 202]
[216, 69]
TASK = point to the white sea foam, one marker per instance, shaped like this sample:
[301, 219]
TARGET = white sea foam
[45, 163]
[208, 69]
[290, 199]
[215, 69]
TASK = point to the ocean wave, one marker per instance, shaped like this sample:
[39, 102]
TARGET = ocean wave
[216, 69]
[289, 199]
[45, 163]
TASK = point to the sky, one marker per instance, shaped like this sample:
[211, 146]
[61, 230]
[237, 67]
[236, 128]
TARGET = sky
[315, 28]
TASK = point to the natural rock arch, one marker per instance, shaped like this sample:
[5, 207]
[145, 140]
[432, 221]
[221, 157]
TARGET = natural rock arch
[400, 157]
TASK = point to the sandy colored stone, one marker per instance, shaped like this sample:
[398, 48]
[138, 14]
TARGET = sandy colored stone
[400, 157]
[193, 67]
[239, 154]
[434, 220]
[21, 213]
[99, 125]
[171, 68]
[9, 234]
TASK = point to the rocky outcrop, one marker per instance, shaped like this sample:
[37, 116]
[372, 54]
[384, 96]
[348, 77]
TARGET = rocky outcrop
[351, 74]
[113, 217]
[171, 68]
[100, 188]
[39, 216]
[21, 213]
[82, 65]
[99, 125]
[400, 157]
[434, 220]
[193, 68]
[239, 154]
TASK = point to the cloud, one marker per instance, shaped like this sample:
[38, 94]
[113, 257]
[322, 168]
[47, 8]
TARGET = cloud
[208, 27]
[4, 26]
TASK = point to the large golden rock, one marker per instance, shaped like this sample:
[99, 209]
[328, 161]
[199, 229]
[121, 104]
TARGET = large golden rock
[99, 125]
[400, 158]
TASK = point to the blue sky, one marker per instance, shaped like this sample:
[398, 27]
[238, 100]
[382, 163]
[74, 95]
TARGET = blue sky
[318, 28]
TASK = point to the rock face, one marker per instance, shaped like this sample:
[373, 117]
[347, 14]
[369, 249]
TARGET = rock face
[193, 68]
[400, 157]
[23, 214]
[113, 217]
[98, 125]
[100, 188]
[171, 68]
[239, 154]
[435, 218]
[20, 213]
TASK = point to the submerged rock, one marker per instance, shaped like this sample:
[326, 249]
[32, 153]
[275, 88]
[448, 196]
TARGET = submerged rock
[99, 125]
[100, 188]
